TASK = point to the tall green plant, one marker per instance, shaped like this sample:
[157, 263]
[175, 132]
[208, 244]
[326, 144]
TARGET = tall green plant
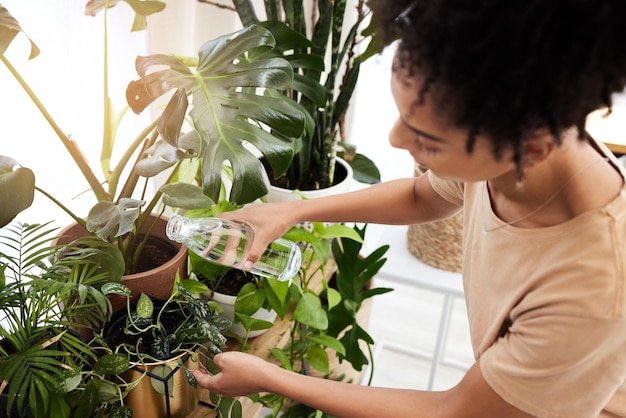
[326, 64]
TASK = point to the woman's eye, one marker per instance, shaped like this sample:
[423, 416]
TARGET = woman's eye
[422, 147]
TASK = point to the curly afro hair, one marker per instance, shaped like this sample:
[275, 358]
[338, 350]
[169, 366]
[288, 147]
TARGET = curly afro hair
[504, 68]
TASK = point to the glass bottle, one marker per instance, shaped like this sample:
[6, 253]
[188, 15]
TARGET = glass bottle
[224, 242]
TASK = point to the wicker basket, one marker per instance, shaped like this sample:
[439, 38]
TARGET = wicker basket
[437, 243]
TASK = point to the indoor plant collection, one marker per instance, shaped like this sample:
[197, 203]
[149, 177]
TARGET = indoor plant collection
[48, 293]
[244, 91]
[223, 81]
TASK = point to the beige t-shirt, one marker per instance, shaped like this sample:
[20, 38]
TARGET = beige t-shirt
[547, 306]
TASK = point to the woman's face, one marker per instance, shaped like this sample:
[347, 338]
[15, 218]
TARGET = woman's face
[437, 145]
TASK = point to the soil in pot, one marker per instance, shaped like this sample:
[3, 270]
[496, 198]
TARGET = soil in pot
[155, 253]
[311, 183]
[225, 294]
[231, 283]
[114, 333]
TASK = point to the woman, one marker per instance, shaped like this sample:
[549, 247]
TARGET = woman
[492, 98]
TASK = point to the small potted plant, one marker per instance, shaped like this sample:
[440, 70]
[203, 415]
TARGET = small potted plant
[152, 345]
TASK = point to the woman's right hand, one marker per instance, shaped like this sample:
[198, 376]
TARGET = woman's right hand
[269, 221]
[241, 374]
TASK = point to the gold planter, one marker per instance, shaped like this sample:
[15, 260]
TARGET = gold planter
[147, 402]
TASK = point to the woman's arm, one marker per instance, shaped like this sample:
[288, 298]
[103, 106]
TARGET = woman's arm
[243, 374]
[398, 202]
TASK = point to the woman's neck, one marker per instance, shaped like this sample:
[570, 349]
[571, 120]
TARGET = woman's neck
[558, 188]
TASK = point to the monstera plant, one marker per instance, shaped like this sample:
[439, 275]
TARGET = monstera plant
[235, 106]
[235, 101]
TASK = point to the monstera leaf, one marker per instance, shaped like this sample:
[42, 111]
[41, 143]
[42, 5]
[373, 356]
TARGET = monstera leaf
[17, 189]
[9, 28]
[232, 107]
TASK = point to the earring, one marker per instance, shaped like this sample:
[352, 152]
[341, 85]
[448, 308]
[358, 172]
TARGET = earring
[521, 182]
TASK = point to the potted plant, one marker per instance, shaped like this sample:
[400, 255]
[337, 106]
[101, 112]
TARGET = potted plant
[244, 298]
[250, 302]
[326, 65]
[228, 74]
[329, 335]
[46, 368]
[327, 331]
[152, 345]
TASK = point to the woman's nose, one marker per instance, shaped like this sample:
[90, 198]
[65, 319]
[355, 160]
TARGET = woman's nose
[398, 135]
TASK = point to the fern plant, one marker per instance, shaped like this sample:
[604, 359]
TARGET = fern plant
[44, 364]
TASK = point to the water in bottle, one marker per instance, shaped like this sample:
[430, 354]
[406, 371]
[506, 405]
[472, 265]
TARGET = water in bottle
[224, 242]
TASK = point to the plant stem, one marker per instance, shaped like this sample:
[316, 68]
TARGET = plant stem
[133, 176]
[70, 145]
[62, 206]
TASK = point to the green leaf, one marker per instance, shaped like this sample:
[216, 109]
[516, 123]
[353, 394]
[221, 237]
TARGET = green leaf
[116, 289]
[329, 342]
[189, 377]
[160, 347]
[58, 407]
[333, 297]
[71, 379]
[354, 353]
[112, 364]
[277, 296]
[184, 195]
[282, 357]
[121, 412]
[309, 311]
[252, 324]
[364, 170]
[201, 309]
[202, 332]
[107, 392]
[110, 220]
[145, 307]
[226, 110]
[17, 186]
[318, 358]
[194, 287]
[88, 401]
[341, 231]
[249, 299]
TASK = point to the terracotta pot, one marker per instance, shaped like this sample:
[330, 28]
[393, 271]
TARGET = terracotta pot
[278, 194]
[156, 283]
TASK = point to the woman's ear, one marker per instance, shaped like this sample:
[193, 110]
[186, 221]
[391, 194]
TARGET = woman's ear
[537, 148]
